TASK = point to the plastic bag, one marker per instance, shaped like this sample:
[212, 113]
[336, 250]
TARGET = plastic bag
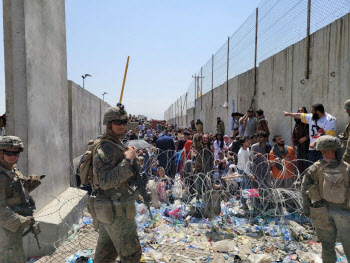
[260, 258]
[224, 246]
[248, 193]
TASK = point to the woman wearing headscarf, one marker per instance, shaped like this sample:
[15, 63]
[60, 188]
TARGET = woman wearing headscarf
[163, 185]
[219, 145]
[226, 140]
[186, 153]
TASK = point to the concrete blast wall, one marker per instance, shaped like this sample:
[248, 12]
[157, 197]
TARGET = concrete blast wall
[86, 117]
[281, 85]
[54, 118]
[36, 89]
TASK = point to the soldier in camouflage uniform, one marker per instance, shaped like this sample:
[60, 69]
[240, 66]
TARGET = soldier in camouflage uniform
[345, 136]
[325, 192]
[11, 223]
[114, 205]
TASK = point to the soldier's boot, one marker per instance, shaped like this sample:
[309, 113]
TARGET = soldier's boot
[327, 238]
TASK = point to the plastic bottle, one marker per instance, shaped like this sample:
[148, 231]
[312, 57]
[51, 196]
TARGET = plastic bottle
[69, 259]
[90, 260]
[287, 235]
[86, 253]
[87, 220]
[194, 246]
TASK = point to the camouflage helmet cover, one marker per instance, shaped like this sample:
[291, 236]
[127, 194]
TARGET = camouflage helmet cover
[13, 142]
[328, 142]
[115, 113]
[347, 105]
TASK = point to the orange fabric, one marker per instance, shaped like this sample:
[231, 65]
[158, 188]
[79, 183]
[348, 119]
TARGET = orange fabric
[289, 166]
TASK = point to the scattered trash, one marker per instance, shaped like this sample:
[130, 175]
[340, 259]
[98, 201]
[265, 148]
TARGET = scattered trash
[260, 258]
[180, 233]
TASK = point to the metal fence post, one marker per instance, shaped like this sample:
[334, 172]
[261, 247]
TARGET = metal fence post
[212, 81]
[307, 55]
[256, 47]
[201, 88]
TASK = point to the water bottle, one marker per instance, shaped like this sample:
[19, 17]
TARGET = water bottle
[90, 260]
[287, 235]
[69, 259]
[272, 232]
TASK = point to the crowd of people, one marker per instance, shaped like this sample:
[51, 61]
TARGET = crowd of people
[247, 158]
[193, 165]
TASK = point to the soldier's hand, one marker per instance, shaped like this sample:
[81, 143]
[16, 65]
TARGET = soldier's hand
[130, 153]
[27, 222]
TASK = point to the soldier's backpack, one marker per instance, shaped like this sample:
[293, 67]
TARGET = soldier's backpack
[85, 165]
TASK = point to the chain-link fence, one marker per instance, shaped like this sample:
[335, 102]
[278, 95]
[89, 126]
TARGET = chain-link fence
[275, 25]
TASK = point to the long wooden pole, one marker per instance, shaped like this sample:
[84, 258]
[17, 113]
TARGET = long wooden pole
[212, 81]
[126, 71]
[228, 63]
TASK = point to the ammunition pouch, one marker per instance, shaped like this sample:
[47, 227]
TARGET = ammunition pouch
[104, 210]
[91, 208]
[125, 208]
[319, 216]
[314, 193]
[130, 210]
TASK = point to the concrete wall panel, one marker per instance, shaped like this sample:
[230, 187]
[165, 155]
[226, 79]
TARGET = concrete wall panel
[38, 98]
[339, 70]
[245, 90]
[281, 83]
[86, 118]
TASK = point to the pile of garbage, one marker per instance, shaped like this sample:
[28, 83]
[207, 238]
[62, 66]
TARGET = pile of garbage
[179, 233]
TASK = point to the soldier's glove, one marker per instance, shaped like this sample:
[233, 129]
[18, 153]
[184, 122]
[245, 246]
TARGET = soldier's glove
[27, 222]
[36, 228]
[32, 182]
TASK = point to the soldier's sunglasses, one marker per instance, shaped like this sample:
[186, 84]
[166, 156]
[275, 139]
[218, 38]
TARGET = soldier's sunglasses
[10, 153]
[120, 122]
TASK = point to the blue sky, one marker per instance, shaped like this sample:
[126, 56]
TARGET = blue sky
[167, 41]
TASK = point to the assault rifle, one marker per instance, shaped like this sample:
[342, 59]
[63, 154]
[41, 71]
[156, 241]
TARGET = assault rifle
[140, 181]
[26, 208]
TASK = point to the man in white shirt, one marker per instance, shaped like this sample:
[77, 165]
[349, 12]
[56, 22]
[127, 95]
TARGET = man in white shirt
[243, 166]
[320, 123]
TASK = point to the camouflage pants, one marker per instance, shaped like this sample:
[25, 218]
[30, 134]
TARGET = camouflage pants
[118, 238]
[340, 222]
[11, 246]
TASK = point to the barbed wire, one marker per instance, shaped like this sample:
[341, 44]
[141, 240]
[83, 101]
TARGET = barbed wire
[281, 23]
[198, 198]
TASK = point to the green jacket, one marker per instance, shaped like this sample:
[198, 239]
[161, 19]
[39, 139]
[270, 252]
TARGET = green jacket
[345, 136]
[311, 177]
[221, 128]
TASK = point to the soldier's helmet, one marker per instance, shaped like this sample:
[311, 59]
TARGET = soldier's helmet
[328, 142]
[12, 142]
[347, 105]
[115, 113]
